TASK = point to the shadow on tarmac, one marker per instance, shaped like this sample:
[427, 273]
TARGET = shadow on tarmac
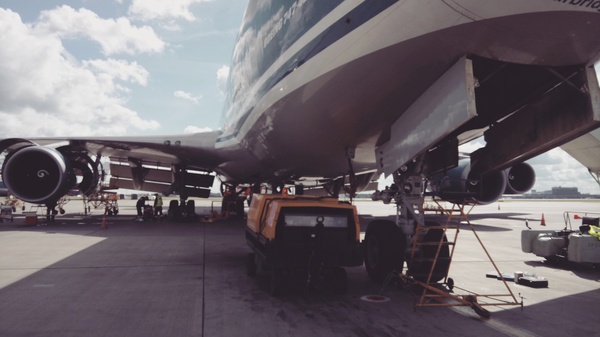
[188, 279]
[585, 271]
[477, 222]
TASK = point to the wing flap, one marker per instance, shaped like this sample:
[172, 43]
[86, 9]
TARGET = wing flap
[147, 186]
[123, 171]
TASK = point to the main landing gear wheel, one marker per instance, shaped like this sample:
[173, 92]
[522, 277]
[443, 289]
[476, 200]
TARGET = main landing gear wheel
[421, 263]
[385, 246]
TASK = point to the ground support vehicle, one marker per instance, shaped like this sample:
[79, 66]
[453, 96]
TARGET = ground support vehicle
[566, 245]
[302, 240]
[6, 213]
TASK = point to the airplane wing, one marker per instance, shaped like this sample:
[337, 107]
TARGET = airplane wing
[166, 164]
[586, 150]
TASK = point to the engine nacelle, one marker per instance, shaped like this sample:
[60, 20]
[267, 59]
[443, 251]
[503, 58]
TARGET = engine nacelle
[459, 186]
[38, 175]
[520, 179]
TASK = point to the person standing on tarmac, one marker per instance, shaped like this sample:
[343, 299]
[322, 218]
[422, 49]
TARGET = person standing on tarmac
[140, 204]
[158, 204]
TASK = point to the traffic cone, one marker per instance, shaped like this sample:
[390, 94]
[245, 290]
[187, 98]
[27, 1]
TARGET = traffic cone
[104, 224]
[543, 221]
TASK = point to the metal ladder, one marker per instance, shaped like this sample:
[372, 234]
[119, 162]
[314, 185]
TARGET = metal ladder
[434, 294]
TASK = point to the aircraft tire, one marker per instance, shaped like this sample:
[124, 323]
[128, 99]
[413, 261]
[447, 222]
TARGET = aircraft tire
[385, 246]
[420, 267]
[174, 212]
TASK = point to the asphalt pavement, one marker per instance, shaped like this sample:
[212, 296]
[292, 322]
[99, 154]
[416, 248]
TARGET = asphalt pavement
[91, 275]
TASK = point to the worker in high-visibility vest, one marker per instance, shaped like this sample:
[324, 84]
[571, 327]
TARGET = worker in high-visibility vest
[594, 231]
[158, 205]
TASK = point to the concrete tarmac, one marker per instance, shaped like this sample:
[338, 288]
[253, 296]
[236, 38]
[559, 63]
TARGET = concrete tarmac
[73, 278]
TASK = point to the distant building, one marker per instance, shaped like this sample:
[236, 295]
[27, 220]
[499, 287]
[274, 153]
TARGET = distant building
[559, 193]
[565, 192]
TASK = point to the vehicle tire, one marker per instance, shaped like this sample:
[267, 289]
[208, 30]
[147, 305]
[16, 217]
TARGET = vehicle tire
[420, 267]
[385, 246]
[251, 264]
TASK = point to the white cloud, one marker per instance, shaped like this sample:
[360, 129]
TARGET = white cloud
[195, 129]
[44, 92]
[552, 169]
[170, 26]
[222, 76]
[557, 168]
[146, 10]
[114, 35]
[187, 96]
[120, 69]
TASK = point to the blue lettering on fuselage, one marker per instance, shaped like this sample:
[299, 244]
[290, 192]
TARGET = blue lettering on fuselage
[594, 4]
[267, 32]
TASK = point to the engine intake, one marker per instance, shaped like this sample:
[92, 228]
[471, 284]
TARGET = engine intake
[38, 175]
[520, 179]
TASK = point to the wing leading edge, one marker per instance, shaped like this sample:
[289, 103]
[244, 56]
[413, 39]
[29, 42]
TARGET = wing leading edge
[39, 170]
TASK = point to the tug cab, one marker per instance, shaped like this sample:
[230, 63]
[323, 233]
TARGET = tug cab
[302, 239]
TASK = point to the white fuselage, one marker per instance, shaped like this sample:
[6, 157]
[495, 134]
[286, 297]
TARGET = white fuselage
[308, 83]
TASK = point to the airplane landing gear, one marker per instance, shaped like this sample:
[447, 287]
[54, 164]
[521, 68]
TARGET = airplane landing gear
[425, 248]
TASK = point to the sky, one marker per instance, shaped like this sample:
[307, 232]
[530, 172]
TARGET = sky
[114, 67]
[140, 67]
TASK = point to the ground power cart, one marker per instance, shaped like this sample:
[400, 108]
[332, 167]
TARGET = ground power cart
[303, 241]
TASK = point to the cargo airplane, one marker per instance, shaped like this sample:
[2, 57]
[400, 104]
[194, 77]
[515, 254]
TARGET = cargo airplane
[330, 94]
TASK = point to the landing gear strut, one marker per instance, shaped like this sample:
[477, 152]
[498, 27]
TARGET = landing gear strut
[425, 248]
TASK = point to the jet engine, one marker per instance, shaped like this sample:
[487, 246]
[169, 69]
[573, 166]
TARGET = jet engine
[38, 174]
[458, 185]
[42, 175]
[520, 179]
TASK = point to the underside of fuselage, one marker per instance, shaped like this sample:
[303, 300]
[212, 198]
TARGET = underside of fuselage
[347, 111]
[329, 93]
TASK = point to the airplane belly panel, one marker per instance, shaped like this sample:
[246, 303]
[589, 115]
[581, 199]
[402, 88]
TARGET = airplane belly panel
[521, 38]
[359, 84]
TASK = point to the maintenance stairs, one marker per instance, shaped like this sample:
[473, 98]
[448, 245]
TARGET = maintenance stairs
[430, 259]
